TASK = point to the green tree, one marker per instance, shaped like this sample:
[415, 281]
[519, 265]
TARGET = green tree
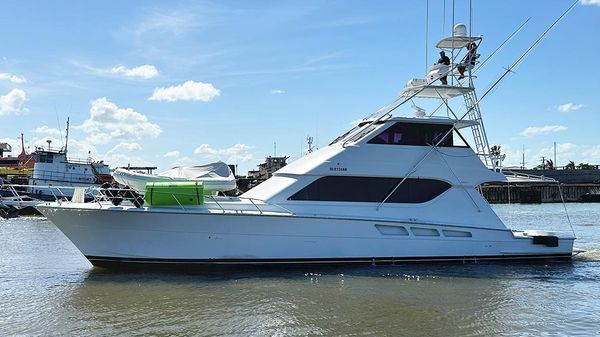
[570, 166]
[547, 164]
[585, 166]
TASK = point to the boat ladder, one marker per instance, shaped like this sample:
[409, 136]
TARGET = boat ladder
[479, 136]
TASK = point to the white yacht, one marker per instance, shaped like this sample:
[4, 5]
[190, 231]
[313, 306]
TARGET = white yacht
[392, 189]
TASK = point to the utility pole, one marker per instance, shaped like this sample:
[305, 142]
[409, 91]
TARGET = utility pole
[543, 163]
[555, 155]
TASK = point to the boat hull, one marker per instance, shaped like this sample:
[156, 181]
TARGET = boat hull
[120, 236]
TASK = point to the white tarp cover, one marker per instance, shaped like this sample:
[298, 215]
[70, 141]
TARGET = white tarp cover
[215, 177]
[212, 170]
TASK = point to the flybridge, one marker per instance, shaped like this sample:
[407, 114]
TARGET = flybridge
[446, 79]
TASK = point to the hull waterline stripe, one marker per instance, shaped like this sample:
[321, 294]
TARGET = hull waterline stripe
[105, 260]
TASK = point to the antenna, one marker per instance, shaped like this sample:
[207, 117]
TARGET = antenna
[426, 34]
[58, 124]
[452, 58]
[470, 18]
[67, 136]
[444, 18]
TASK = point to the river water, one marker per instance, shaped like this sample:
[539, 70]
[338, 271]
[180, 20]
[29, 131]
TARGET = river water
[48, 288]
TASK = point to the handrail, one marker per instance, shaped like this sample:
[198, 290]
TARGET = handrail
[528, 176]
[218, 204]
[259, 210]
[97, 196]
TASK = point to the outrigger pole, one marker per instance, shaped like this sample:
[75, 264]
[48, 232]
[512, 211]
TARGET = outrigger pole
[508, 70]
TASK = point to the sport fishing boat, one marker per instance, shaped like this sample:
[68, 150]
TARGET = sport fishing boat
[391, 189]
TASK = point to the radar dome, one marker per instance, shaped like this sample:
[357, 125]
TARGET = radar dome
[460, 29]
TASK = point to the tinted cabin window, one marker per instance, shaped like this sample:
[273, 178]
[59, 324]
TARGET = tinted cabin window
[370, 189]
[415, 134]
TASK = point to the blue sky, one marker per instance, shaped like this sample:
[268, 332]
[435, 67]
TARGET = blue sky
[186, 82]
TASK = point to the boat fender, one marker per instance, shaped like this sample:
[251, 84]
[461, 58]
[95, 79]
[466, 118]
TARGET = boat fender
[547, 240]
[129, 194]
[8, 212]
[111, 191]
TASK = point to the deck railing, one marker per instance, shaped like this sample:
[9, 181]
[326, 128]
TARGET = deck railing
[117, 195]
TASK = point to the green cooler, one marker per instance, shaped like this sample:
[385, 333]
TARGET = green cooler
[174, 193]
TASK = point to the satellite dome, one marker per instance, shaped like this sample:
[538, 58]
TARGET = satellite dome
[460, 29]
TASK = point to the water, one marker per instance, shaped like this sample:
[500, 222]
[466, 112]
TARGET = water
[48, 288]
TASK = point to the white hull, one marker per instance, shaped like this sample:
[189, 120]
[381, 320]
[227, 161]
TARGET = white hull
[129, 235]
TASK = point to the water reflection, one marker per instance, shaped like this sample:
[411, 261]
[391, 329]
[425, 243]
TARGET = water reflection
[434, 300]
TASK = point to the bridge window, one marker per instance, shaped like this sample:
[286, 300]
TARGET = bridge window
[371, 189]
[419, 134]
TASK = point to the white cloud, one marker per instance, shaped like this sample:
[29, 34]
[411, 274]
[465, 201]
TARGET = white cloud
[171, 154]
[145, 71]
[121, 159]
[188, 91]
[277, 92]
[44, 129]
[542, 130]
[169, 24]
[185, 161]
[235, 153]
[13, 102]
[109, 122]
[125, 147]
[590, 2]
[12, 78]
[81, 148]
[568, 107]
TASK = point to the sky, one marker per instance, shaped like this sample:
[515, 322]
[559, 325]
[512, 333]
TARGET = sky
[169, 83]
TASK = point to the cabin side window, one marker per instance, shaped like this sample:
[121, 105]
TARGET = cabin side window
[371, 189]
[418, 134]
